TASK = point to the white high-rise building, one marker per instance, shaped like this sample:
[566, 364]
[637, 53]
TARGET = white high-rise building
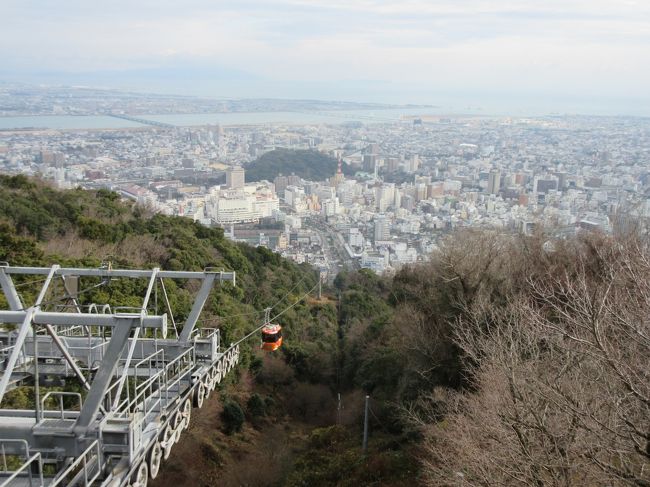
[330, 207]
[237, 206]
[384, 196]
[412, 164]
[382, 228]
[348, 191]
[235, 177]
[397, 199]
[355, 238]
[374, 261]
[231, 207]
[294, 197]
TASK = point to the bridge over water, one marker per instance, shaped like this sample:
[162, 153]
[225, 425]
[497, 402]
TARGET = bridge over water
[143, 121]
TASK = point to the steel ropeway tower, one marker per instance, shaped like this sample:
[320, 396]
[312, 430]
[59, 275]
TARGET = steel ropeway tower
[140, 377]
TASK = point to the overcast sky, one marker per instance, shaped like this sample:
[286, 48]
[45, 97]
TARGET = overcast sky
[402, 51]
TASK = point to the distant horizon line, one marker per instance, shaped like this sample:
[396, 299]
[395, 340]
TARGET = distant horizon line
[473, 106]
[136, 91]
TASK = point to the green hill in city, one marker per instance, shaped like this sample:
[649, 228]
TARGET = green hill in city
[308, 164]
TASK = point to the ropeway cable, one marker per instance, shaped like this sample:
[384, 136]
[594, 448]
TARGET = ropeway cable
[218, 318]
[290, 291]
[209, 320]
[276, 316]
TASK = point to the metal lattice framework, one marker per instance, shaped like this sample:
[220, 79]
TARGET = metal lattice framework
[139, 385]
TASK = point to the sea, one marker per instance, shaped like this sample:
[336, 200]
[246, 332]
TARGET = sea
[224, 119]
[93, 122]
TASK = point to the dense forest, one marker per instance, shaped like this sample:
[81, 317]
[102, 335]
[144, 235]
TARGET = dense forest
[504, 360]
[308, 164]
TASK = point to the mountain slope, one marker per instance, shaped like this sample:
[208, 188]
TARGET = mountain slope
[287, 399]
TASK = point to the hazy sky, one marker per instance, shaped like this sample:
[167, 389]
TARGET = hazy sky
[404, 51]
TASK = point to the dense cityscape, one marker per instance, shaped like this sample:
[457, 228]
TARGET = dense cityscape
[325, 243]
[399, 186]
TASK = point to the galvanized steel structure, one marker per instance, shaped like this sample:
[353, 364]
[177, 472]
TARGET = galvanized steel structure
[140, 384]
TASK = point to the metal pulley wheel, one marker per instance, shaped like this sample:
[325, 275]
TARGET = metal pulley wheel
[155, 460]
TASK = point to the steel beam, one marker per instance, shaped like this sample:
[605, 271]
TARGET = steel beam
[103, 377]
[111, 359]
[50, 275]
[169, 307]
[9, 290]
[134, 342]
[15, 304]
[66, 355]
[197, 307]
[132, 273]
[81, 319]
[13, 358]
[11, 294]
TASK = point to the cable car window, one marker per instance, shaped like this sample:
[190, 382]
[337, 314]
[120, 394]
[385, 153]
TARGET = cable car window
[270, 337]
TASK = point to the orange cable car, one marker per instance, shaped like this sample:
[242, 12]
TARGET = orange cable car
[271, 337]
[271, 334]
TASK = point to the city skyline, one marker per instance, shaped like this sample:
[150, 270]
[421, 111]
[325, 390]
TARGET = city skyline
[576, 56]
[383, 194]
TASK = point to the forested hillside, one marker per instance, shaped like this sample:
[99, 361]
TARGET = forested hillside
[529, 357]
[511, 360]
[278, 408]
[502, 361]
[41, 225]
[308, 164]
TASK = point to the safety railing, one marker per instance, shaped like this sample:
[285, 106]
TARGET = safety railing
[5, 352]
[86, 468]
[179, 367]
[46, 348]
[143, 392]
[61, 395]
[93, 353]
[161, 378]
[25, 470]
[83, 331]
[204, 333]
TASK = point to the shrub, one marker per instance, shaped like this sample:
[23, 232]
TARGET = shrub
[232, 417]
[256, 406]
[313, 403]
[275, 372]
[256, 365]
[211, 453]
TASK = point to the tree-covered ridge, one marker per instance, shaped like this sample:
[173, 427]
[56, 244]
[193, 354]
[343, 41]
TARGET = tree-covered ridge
[308, 164]
[328, 347]
[509, 360]
[41, 226]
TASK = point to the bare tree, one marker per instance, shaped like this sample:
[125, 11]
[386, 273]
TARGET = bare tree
[560, 374]
[464, 274]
